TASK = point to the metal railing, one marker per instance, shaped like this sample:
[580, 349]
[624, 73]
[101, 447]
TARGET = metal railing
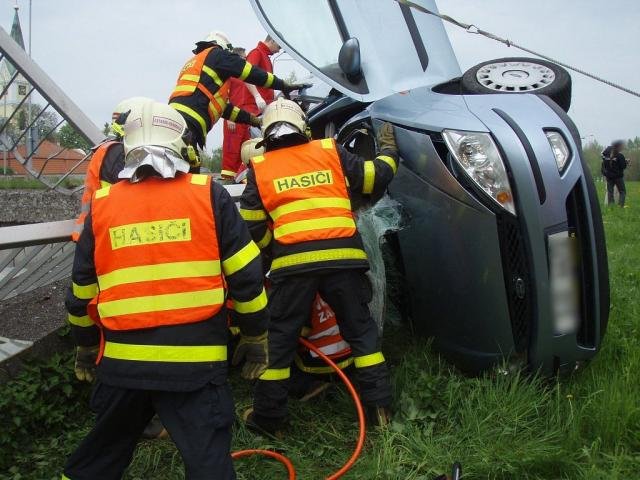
[34, 115]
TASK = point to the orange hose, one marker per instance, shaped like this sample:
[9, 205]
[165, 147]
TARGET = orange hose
[361, 434]
[356, 400]
[268, 453]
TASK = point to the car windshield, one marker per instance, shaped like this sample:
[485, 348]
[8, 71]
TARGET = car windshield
[309, 28]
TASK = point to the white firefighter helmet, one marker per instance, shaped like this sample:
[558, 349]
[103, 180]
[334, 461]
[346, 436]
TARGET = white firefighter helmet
[154, 136]
[220, 38]
[119, 117]
[249, 149]
[283, 111]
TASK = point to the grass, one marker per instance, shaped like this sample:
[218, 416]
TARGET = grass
[499, 426]
[29, 183]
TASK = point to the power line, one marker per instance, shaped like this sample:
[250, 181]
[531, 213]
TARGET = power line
[471, 28]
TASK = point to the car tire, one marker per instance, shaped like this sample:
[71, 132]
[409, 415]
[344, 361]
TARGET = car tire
[520, 75]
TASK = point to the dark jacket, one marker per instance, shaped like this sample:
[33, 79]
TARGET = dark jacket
[243, 274]
[613, 165]
[384, 166]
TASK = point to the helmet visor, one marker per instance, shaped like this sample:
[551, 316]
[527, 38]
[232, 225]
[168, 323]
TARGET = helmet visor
[163, 160]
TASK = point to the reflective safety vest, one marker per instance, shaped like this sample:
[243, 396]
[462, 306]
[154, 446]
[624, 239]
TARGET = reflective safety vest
[195, 75]
[156, 253]
[304, 190]
[324, 333]
[92, 183]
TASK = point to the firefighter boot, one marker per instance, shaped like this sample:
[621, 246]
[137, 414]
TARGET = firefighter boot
[377, 416]
[273, 428]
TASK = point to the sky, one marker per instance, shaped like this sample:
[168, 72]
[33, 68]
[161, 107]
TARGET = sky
[100, 52]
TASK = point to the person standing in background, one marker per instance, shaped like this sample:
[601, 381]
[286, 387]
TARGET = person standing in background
[613, 165]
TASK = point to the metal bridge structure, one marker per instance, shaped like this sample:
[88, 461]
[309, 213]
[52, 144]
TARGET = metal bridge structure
[35, 255]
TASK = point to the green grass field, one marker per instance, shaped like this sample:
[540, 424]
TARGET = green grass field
[499, 426]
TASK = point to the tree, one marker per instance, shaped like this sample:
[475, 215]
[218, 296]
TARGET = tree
[212, 161]
[69, 137]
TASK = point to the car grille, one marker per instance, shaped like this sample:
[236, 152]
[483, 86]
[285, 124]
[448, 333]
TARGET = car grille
[517, 280]
[578, 222]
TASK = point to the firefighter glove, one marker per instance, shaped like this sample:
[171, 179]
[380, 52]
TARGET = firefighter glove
[254, 352]
[85, 367]
[290, 87]
[255, 121]
[386, 138]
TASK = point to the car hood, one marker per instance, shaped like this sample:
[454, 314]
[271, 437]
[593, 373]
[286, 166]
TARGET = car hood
[400, 48]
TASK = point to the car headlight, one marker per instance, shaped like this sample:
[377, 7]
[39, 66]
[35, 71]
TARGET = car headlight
[479, 157]
[559, 148]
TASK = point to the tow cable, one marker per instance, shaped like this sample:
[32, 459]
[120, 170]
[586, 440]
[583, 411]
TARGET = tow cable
[361, 434]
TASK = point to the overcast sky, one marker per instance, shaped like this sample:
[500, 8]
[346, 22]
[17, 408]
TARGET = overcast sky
[100, 52]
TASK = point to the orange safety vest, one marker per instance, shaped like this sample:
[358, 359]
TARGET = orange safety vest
[156, 253]
[324, 332]
[195, 75]
[92, 183]
[304, 190]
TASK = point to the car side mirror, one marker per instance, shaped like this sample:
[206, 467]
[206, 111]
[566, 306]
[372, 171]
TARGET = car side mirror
[349, 60]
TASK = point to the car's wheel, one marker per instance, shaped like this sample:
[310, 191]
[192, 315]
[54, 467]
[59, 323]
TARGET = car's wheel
[520, 75]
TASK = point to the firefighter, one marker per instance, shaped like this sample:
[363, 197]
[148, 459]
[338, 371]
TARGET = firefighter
[107, 159]
[158, 255]
[310, 374]
[304, 189]
[201, 94]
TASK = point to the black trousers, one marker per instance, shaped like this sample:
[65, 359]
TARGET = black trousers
[198, 422]
[348, 292]
[622, 191]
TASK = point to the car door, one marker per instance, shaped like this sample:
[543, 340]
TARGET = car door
[399, 48]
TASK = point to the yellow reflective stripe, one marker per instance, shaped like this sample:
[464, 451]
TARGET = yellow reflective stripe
[234, 331]
[165, 353]
[234, 114]
[257, 159]
[369, 360]
[253, 215]
[85, 292]
[276, 374]
[104, 184]
[64, 477]
[310, 204]
[313, 224]
[326, 143]
[318, 256]
[269, 81]
[266, 240]
[190, 78]
[241, 258]
[369, 177]
[221, 101]
[245, 71]
[103, 192]
[199, 179]
[251, 306]
[160, 303]
[228, 173]
[162, 271]
[185, 88]
[213, 74]
[389, 161]
[193, 114]
[84, 321]
[321, 370]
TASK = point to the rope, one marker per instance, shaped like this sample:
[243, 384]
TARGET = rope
[470, 28]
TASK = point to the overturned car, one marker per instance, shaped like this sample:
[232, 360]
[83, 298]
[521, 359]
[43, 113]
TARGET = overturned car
[504, 253]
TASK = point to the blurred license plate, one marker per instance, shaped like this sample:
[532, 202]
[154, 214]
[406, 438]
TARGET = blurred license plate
[564, 282]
